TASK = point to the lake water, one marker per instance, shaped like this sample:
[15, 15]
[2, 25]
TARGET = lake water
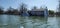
[12, 21]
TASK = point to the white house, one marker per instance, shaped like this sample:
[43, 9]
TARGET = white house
[39, 12]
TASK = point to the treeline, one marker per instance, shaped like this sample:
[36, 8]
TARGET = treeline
[57, 13]
[12, 11]
[22, 8]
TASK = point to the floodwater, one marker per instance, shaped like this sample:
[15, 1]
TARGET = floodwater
[13, 21]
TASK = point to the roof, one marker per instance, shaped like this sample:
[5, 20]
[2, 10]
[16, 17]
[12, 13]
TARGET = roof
[37, 10]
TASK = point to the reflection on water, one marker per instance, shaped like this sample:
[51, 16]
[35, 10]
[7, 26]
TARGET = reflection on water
[11, 21]
[52, 22]
[33, 22]
[58, 21]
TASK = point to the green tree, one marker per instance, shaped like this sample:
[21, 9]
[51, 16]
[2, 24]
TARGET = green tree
[51, 12]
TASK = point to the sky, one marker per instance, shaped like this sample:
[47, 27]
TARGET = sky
[51, 4]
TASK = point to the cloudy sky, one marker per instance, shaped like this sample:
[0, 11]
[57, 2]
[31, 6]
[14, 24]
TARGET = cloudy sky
[51, 4]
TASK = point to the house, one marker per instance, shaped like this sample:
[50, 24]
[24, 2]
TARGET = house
[38, 12]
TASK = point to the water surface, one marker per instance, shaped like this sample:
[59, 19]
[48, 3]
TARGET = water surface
[13, 21]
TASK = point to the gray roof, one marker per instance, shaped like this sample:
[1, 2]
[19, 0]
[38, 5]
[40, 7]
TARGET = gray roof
[38, 10]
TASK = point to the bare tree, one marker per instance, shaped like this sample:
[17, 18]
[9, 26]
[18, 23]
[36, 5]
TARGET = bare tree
[34, 8]
[59, 6]
[23, 8]
[9, 10]
[1, 9]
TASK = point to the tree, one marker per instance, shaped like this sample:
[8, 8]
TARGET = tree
[9, 10]
[1, 10]
[51, 12]
[15, 12]
[34, 8]
[23, 8]
[59, 6]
